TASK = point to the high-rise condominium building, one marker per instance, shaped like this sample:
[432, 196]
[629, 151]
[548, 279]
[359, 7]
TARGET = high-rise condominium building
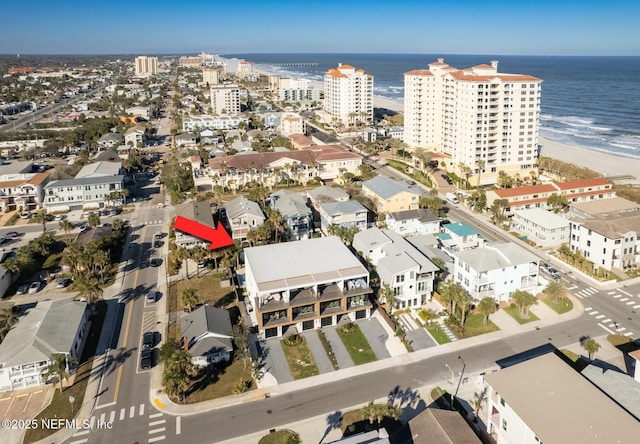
[210, 76]
[225, 99]
[348, 94]
[485, 121]
[146, 66]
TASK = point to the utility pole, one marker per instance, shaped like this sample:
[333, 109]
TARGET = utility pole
[461, 375]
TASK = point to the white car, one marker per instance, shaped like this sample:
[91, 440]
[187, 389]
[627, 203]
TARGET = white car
[60, 217]
[25, 215]
[34, 287]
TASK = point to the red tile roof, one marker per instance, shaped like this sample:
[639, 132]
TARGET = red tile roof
[483, 66]
[343, 66]
[335, 73]
[506, 193]
[419, 72]
[583, 183]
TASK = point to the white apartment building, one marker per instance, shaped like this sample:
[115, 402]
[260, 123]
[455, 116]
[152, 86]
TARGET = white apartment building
[407, 271]
[210, 76]
[83, 193]
[205, 122]
[297, 90]
[225, 99]
[483, 119]
[608, 240]
[543, 227]
[291, 123]
[22, 191]
[496, 270]
[146, 66]
[348, 94]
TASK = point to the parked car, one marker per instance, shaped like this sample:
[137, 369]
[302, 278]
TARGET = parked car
[84, 228]
[60, 217]
[25, 215]
[155, 262]
[157, 244]
[22, 289]
[148, 339]
[145, 358]
[151, 296]
[62, 283]
[448, 179]
[11, 234]
[35, 287]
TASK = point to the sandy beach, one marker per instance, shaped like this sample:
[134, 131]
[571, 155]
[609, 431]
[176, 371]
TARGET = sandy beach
[610, 165]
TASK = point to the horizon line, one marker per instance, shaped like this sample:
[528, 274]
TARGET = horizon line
[26, 54]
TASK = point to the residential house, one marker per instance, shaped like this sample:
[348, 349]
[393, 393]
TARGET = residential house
[134, 136]
[536, 196]
[389, 195]
[295, 213]
[306, 284]
[325, 194]
[350, 213]
[396, 132]
[410, 222]
[369, 135]
[109, 140]
[141, 112]
[291, 123]
[608, 241]
[459, 236]
[300, 141]
[598, 208]
[544, 400]
[437, 426]
[196, 211]
[124, 151]
[407, 271]
[207, 335]
[48, 328]
[241, 215]
[83, 193]
[187, 139]
[22, 191]
[543, 227]
[496, 270]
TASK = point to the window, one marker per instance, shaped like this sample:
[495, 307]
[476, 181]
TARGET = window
[504, 425]
[400, 278]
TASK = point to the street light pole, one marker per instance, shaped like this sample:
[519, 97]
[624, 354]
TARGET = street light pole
[453, 378]
[461, 375]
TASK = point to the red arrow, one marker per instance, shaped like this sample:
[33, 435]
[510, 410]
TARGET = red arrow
[218, 237]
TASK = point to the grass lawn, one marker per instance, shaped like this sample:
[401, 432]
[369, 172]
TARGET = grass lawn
[218, 382]
[280, 437]
[573, 357]
[514, 312]
[617, 340]
[439, 335]
[60, 406]
[473, 326]
[560, 307]
[354, 421]
[208, 290]
[356, 344]
[300, 360]
[12, 220]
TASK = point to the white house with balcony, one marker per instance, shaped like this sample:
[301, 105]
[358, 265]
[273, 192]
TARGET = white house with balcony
[458, 236]
[413, 222]
[350, 213]
[407, 271]
[543, 227]
[497, 270]
[44, 330]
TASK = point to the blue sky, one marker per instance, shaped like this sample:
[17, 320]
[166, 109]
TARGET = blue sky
[445, 26]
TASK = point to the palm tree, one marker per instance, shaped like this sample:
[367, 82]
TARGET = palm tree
[524, 300]
[177, 374]
[184, 254]
[386, 294]
[480, 164]
[93, 220]
[8, 318]
[190, 298]
[41, 218]
[59, 366]
[67, 227]
[198, 253]
[591, 346]
[276, 221]
[88, 288]
[478, 399]
[463, 299]
[556, 290]
[486, 307]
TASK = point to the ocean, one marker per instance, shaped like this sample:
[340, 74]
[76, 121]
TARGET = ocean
[593, 102]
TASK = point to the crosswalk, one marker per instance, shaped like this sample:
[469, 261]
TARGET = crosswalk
[151, 222]
[607, 324]
[157, 423]
[585, 292]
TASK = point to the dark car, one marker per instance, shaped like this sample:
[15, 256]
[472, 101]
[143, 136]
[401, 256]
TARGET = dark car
[448, 179]
[157, 244]
[147, 339]
[145, 358]
[155, 262]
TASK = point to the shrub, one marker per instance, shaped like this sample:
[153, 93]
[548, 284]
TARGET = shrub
[293, 340]
[241, 386]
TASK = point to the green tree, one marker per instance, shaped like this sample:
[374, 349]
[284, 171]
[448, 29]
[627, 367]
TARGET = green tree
[524, 300]
[558, 203]
[199, 253]
[189, 298]
[184, 254]
[93, 220]
[591, 346]
[276, 221]
[58, 368]
[241, 341]
[478, 200]
[41, 218]
[67, 227]
[478, 400]
[505, 180]
[178, 371]
[88, 288]
[388, 297]
[498, 210]
[486, 307]
[480, 164]
[556, 290]
[8, 318]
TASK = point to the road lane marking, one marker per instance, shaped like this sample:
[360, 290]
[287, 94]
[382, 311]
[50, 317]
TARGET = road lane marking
[132, 411]
[92, 421]
[617, 296]
[629, 333]
[636, 306]
[112, 416]
[600, 317]
[102, 418]
[581, 297]
[122, 414]
[623, 300]
[178, 425]
[141, 412]
[605, 328]
[155, 423]
[158, 430]
[594, 312]
[606, 320]
[80, 441]
[627, 293]
[588, 309]
[573, 287]
[611, 292]
[156, 438]
[155, 415]
[631, 302]
[104, 406]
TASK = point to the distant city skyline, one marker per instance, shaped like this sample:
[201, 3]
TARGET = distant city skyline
[542, 27]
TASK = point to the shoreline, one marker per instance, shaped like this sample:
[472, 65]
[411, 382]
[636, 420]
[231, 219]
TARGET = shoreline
[607, 164]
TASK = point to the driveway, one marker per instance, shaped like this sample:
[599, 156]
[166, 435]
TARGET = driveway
[318, 352]
[275, 361]
[376, 336]
[339, 350]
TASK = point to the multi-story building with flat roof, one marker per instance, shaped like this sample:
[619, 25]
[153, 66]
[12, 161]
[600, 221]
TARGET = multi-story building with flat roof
[348, 94]
[482, 119]
[22, 191]
[225, 99]
[146, 66]
[306, 284]
[210, 75]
